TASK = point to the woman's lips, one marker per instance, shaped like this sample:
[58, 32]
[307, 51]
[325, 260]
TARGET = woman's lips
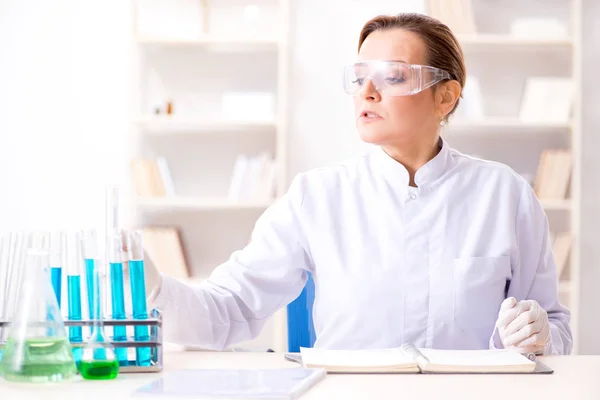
[369, 116]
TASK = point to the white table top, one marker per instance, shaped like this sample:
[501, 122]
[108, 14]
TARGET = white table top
[575, 377]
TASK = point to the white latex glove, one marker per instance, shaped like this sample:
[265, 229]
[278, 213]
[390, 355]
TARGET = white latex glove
[523, 326]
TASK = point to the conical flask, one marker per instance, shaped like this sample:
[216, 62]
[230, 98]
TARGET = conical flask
[37, 349]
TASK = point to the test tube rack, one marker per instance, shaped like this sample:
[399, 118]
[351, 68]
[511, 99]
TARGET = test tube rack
[154, 323]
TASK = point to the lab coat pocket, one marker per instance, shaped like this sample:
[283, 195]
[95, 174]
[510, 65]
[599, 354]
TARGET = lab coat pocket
[479, 289]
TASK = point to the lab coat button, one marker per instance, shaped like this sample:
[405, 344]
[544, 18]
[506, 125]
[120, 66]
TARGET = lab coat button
[413, 196]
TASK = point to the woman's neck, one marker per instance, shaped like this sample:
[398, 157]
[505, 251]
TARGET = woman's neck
[413, 155]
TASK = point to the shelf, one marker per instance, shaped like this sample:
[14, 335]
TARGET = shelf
[507, 40]
[226, 43]
[556, 205]
[198, 204]
[168, 125]
[460, 127]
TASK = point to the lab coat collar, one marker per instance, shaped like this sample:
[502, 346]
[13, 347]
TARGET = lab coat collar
[425, 176]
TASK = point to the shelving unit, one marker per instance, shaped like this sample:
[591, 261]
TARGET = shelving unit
[195, 67]
[563, 205]
[502, 63]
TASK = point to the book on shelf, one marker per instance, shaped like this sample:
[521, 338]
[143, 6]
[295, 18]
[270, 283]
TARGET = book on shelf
[457, 14]
[547, 100]
[410, 359]
[165, 176]
[561, 248]
[152, 177]
[253, 178]
[164, 248]
[553, 174]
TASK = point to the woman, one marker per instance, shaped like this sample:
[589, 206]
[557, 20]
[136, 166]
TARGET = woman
[413, 242]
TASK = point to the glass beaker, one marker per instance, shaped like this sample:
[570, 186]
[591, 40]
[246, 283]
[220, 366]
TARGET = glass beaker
[98, 360]
[37, 349]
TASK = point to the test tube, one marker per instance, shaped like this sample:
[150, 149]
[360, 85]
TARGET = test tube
[135, 250]
[112, 210]
[115, 251]
[89, 250]
[19, 242]
[57, 260]
[73, 267]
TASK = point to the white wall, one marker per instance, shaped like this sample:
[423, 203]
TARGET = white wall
[64, 109]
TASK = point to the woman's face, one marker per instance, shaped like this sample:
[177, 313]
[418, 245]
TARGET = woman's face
[400, 119]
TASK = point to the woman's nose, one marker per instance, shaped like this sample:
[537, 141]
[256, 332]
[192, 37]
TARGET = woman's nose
[369, 91]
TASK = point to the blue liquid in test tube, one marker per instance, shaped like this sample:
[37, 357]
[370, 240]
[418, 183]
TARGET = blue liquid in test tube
[118, 309]
[114, 253]
[138, 294]
[58, 251]
[56, 277]
[73, 262]
[90, 251]
[74, 299]
[89, 279]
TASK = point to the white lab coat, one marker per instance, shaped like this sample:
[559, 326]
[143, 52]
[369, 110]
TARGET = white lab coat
[391, 263]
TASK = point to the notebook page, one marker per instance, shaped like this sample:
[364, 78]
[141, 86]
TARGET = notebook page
[502, 357]
[356, 358]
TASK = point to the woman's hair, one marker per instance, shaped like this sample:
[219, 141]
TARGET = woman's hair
[443, 49]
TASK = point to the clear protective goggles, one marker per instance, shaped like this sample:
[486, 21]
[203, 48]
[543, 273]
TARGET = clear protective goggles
[392, 78]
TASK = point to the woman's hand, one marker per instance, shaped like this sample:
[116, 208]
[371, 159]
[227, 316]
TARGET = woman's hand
[523, 325]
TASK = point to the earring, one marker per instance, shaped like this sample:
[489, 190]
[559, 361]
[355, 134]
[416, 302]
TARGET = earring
[442, 122]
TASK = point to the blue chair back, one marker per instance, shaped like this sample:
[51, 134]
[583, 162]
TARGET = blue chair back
[301, 331]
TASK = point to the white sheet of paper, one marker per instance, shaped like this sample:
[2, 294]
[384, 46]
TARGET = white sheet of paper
[475, 357]
[356, 358]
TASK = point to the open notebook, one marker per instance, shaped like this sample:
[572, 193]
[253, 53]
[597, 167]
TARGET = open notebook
[409, 359]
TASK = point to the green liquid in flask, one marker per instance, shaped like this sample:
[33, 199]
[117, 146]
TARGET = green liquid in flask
[99, 369]
[41, 360]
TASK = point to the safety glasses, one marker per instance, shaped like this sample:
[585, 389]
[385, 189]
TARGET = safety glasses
[392, 78]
